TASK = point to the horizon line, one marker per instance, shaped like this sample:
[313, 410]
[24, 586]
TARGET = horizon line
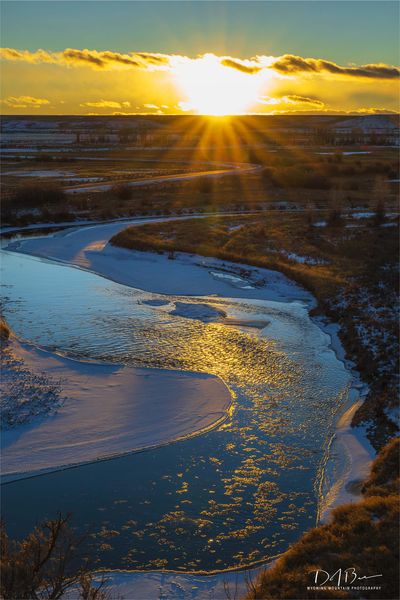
[298, 114]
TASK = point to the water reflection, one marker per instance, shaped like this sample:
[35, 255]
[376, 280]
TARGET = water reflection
[230, 497]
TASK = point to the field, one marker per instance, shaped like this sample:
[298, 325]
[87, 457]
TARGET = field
[322, 212]
[102, 177]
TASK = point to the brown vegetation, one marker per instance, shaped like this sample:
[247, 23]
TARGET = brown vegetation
[296, 179]
[4, 330]
[42, 566]
[34, 202]
[122, 191]
[37, 196]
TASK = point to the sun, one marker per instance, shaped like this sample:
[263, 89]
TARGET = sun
[213, 89]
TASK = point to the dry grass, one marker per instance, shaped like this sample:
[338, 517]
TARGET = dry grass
[298, 178]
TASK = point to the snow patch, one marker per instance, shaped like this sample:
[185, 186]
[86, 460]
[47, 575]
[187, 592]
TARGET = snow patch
[109, 410]
[50, 173]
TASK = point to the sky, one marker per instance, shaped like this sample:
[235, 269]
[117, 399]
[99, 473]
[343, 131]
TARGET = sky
[106, 57]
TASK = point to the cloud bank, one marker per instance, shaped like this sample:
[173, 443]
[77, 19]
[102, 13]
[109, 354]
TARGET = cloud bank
[288, 64]
[104, 59]
[285, 65]
[25, 102]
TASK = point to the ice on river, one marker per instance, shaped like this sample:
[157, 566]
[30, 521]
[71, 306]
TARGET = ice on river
[108, 410]
[203, 312]
[261, 465]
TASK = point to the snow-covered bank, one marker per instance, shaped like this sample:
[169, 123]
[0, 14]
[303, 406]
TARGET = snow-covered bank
[350, 458]
[174, 586]
[108, 410]
[190, 275]
[349, 454]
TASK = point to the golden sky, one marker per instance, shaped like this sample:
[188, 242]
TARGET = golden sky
[82, 81]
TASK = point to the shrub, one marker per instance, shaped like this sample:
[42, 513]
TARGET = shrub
[4, 330]
[36, 196]
[384, 477]
[379, 215]
[335, 217]
[297, 177]
[122, 191]
[40, 566]
[205, 185]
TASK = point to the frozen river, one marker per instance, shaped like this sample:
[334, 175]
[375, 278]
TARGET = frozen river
[235, 495]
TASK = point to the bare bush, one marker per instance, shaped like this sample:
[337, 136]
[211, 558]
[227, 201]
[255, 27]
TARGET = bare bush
[40, 567]
[122, 191]
[37, 196]
[4, 330]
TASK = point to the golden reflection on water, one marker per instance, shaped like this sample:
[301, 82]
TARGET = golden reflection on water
[233, 355]
[243, 506]
[247, 497]
[228, 497]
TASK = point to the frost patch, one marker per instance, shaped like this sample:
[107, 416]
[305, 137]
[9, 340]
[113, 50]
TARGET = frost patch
[25, 394]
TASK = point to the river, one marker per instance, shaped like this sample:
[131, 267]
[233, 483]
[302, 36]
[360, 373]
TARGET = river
[233, 496]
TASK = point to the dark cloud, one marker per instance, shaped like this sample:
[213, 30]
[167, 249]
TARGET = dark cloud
[288, 64]
[295, 99]
[105, 59]
[109, 57]
[240, 66]
[86, 56]
[12, 54]
[154, 59]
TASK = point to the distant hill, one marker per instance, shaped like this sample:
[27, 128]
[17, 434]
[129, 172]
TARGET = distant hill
[370, 123]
